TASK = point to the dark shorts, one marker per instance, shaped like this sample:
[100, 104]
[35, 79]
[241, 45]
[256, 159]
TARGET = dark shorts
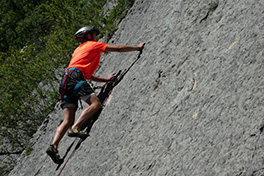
[84, 92]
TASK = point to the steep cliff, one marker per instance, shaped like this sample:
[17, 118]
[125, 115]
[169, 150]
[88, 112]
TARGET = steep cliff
[192, 105]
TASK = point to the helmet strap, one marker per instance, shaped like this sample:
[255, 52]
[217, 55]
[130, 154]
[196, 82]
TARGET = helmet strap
[91, 37]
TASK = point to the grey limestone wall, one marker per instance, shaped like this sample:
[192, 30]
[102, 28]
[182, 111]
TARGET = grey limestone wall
[192, 105]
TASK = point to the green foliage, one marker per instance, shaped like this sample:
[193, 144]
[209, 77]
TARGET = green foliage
[158, 82]
[213, 5]
[28, 150]
[36, 42]
[111, 22]
[12, 13]
[4, 169]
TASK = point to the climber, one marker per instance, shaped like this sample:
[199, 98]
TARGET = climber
[74, 86]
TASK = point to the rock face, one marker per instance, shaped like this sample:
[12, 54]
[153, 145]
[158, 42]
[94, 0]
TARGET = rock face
[192, 105]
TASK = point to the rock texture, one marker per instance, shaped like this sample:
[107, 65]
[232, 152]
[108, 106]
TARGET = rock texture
[192, 105]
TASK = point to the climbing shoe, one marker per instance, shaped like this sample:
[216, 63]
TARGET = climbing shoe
[77, 133]
[54, 154]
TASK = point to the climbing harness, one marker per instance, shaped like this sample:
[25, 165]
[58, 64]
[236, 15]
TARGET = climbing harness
[65, 80]
[76, 87]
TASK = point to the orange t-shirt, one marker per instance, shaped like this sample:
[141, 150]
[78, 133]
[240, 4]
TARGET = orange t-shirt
[86, 57]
